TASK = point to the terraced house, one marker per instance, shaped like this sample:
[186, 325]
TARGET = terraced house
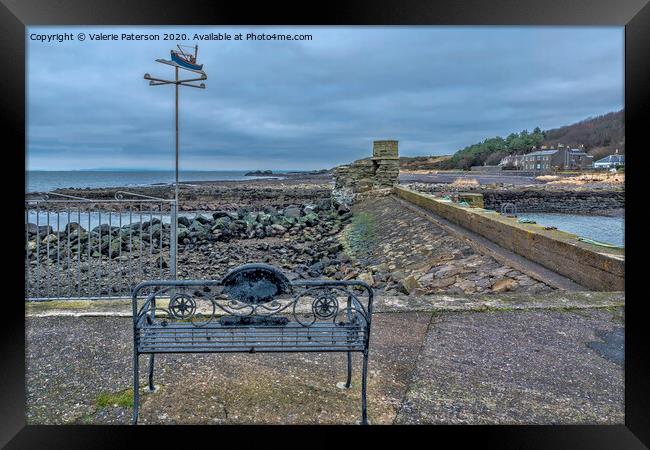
[562, 158]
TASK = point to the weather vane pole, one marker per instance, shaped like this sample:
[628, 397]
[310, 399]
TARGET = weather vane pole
[180, 59]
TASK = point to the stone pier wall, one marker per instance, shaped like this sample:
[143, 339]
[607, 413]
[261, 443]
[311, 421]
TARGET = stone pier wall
[377, 172]
[597, 268]
[573, 202]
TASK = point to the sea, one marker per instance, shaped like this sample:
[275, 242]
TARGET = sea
[45, 181]
[610, 230]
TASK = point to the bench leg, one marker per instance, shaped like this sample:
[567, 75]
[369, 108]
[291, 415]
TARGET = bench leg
[364, 376]
[347, 383]
[151, 387]
[136, 388]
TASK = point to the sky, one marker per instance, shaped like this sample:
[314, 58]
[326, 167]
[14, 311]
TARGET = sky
[309, 104]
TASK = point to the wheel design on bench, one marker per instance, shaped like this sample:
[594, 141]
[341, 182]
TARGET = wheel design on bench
[325, 306]
[182, 306]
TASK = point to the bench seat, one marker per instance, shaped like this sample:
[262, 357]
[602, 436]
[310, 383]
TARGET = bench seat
[185, 337]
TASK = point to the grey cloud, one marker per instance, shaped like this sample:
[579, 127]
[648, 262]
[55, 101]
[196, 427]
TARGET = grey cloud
[314, 104]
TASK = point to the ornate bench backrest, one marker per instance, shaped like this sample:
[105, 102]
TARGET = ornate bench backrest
[252, 294]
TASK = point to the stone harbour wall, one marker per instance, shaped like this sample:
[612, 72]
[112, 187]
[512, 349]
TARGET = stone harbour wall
[594, 267]
[574, 202]
[378, 172]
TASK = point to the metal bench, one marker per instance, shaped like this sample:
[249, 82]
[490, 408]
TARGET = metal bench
[254, 308]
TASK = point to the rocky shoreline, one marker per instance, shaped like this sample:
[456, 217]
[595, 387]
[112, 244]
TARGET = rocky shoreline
[300, 225]
[541, 198]
[301, 238]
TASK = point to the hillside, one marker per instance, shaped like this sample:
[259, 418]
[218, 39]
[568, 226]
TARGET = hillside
[420, 162]
[600, 136]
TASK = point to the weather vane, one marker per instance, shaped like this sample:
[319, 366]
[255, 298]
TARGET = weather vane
[186, 60]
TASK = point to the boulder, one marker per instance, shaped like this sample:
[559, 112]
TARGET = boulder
[409, 284]
[503, 285]
[316, 269]
[221, 223]
[116, 245]
[42, 230]
[310, 219]
[279, 229]
[292, 211]
[264, 219]
[72, 226]
[202, 220]
[367, 278]
[220, 214]
[183, 232]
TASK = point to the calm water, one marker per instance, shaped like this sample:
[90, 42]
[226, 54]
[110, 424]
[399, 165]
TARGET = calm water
[599, 228]
[45, 181]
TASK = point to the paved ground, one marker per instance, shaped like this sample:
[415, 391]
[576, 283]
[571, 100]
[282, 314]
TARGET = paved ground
[519, 368]
[431, 366]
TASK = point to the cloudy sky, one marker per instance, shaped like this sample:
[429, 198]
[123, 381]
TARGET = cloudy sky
[311, 104]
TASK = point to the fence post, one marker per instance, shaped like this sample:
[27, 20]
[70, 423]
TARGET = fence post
[173, 243]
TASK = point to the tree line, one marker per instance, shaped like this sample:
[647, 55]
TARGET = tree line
[492, 150]
[599, 136]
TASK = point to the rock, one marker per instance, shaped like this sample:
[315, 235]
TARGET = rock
[426, 278]
[49, 238]
[311, 219]
[447, 271]
[467, 286]
[221, 222]
[202, 220]
[197, 227]
[220, 214]
[367, 278]
[504, 284]
[279, 229]
[251, 217]
[116, 245]
[409, 284]
[292, 211]
[72, 226]
[364, 185]
[42, 230]
[183, 232]
[182, 220]
[324, 204]
[264, 219]
[346, 216]
[154, 231]
[442, 283]
[316, 269]
[501, 271]
[352, 274]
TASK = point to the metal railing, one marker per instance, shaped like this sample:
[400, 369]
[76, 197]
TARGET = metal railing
[80, 248]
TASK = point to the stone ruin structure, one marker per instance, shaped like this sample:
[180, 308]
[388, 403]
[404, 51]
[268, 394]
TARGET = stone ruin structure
[378, 172]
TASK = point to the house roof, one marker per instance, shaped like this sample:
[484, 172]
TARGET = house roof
[612, 159]
[541, 153]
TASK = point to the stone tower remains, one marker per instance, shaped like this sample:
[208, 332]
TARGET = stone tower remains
[379, 171]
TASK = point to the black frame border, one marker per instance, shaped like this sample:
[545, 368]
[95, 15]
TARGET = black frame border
[16, 15]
